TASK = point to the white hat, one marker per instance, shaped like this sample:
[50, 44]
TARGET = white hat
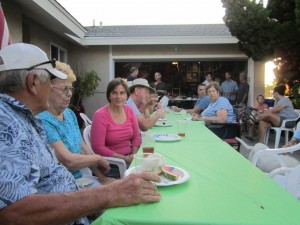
[26, 56]
[140, 82]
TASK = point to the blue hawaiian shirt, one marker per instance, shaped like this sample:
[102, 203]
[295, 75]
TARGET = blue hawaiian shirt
[66, 131]
[27, 163]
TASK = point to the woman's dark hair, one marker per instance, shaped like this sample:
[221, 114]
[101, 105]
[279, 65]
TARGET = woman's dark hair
[113, 84]
[260, 96]
[280, 89]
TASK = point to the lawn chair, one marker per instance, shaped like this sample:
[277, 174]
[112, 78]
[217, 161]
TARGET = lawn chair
[120, 163]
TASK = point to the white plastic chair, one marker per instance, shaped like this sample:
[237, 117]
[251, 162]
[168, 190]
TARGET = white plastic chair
[277, 153]
[115, 161]
[278, 131]
[288, 178]
[277, 157]
[86, 120]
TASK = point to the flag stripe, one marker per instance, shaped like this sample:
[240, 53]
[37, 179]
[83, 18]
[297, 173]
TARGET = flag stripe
[4, 32]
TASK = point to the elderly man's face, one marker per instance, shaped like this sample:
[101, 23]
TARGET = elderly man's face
[143, 93]
[43, 89]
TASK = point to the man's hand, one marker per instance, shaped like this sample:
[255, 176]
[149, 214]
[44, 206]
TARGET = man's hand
[134, 189]
[103, 164]
[160, 113]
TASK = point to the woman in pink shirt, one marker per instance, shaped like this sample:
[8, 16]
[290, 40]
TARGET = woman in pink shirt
[115, 131]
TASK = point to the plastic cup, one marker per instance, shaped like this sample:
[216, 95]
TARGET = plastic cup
[181, 127]
[147, 163]
[148, 142]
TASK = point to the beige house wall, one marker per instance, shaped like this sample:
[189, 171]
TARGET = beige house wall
[38, 35]
[87, 59]
[175, 50]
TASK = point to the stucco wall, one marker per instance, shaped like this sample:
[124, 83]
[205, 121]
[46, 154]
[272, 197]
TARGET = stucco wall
[94, 58]
[178, 50]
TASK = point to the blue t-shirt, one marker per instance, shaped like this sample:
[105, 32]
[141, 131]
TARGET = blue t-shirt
[66, 131]
[28, 164]
[214, 107]
[202, 103]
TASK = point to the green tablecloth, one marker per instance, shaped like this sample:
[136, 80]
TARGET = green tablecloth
[224, 187]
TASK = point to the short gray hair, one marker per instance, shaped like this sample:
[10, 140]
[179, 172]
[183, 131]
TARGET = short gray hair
[15, 80]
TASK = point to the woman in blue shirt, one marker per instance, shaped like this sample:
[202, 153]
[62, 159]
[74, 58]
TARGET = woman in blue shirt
[218, 111]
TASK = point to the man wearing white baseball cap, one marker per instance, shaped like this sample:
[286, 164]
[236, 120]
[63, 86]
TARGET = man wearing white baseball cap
[139, 90]
[35, 188]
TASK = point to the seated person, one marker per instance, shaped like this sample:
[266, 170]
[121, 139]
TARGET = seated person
[202, 102]
[35, 187]
[115, 131]
[149, 105]
[260, 108]
[139, 91]
[163, 100]
[218, 111]
[268, 164]
[283, 109]
[63, 133]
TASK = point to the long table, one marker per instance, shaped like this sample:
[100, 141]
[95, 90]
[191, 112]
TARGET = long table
[224, 187]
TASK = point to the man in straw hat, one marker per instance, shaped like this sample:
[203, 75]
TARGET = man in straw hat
[35, 188]
[139, 91]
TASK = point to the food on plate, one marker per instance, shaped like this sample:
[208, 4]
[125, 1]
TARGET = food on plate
[169, 173]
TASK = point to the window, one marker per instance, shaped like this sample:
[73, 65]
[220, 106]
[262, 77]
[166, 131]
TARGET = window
[58, 53]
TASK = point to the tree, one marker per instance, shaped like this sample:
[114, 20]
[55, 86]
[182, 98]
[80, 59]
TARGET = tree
[271, 33]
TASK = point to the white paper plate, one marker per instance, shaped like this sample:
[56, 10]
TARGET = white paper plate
[183, 177]
[162, 119]
[163, 124]
[167, 137]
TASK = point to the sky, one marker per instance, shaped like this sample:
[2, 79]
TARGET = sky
[144, 12]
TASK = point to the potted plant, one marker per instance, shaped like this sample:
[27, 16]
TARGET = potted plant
[84, 85]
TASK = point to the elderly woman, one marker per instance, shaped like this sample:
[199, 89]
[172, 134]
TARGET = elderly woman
[115, 130]
[64, 135]
[218, 111]
[283, 109]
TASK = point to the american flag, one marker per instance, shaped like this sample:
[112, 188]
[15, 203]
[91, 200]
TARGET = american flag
[4, 32]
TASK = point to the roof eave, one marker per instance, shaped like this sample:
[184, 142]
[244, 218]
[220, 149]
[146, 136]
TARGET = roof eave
[158, 40]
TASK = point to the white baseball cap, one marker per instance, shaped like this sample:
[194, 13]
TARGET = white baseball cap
[140, 82]
[26, 56]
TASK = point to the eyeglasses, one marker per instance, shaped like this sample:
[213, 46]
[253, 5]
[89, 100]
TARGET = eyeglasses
[66, 89]
[52, 61]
